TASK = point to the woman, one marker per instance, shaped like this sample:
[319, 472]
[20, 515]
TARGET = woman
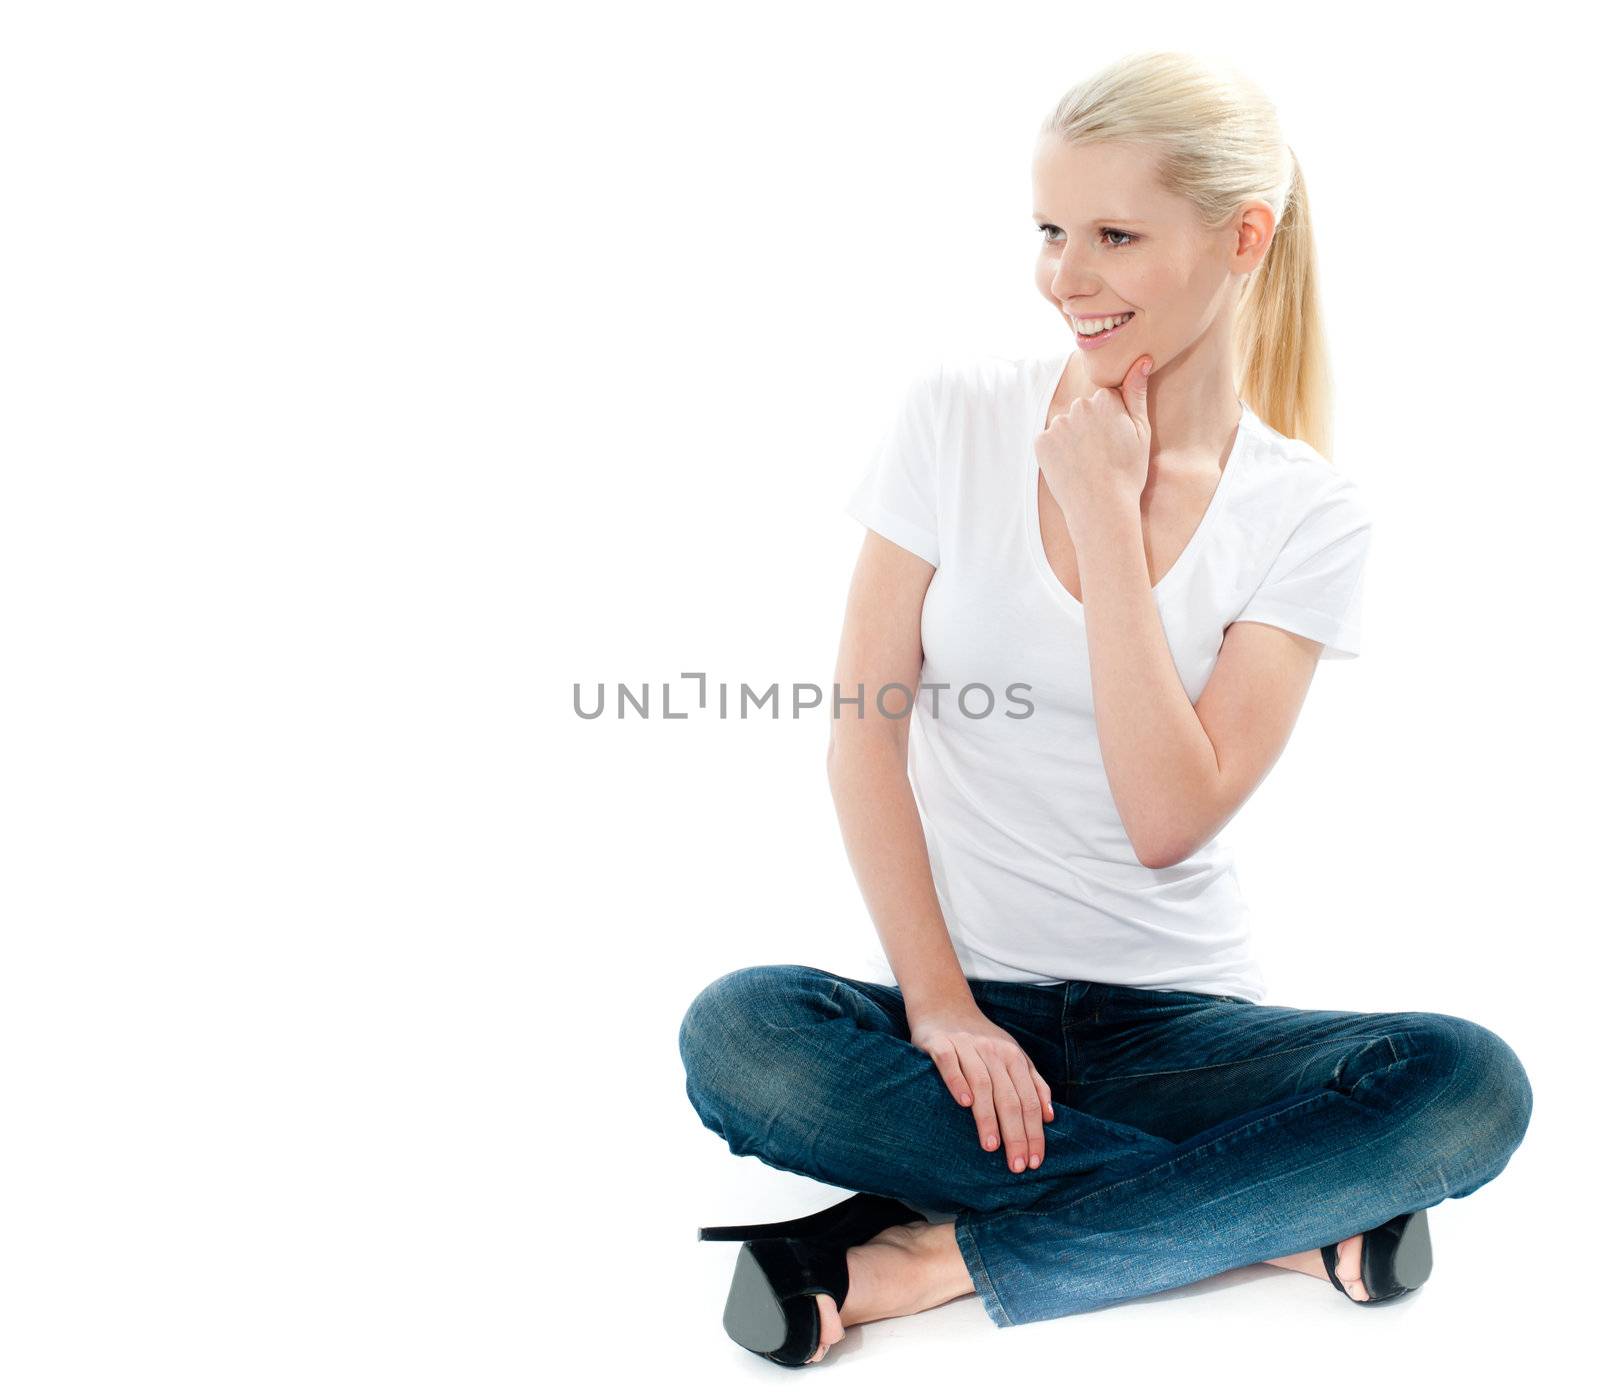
[1113, 589]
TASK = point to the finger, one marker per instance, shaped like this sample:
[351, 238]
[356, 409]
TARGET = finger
[1023, 1075]
[944, 1057]
[977, 1074]
[1136, 387]
[1046, 1098]
[1046, 1104]
[1009, 1106]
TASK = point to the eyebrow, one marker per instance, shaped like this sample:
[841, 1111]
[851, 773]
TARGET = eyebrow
[1040, 217]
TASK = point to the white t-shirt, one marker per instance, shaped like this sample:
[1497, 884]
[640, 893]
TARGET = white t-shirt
[1033, 868]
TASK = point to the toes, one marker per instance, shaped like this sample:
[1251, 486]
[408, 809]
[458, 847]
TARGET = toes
[1348, 1266]
[832, 1327]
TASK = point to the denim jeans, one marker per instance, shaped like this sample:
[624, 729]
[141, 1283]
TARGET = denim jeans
[1192, 1133]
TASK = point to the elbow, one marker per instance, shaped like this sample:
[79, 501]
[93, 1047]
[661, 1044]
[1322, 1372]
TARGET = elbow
[1188, 828]
[1158, 854]
[1175, 831]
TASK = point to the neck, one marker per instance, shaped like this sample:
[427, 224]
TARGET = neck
[1191, 402]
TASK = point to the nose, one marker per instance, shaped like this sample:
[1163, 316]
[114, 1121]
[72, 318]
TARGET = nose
[1069, 282]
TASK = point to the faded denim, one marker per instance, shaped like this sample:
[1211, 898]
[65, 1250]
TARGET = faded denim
[1192, 1133]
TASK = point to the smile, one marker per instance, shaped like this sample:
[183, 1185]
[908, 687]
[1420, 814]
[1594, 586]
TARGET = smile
[1104, 329]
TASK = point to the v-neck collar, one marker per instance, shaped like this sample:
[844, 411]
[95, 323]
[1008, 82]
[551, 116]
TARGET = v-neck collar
[1244, 437]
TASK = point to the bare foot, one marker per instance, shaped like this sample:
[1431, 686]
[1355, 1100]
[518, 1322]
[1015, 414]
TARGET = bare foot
[903, 1270]
[1348, 1265]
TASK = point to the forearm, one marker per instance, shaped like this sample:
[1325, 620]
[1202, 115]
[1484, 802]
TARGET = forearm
[1161, 764]
[888, 852]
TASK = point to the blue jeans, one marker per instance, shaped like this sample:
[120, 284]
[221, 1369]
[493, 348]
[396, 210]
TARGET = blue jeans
[1192, 1133]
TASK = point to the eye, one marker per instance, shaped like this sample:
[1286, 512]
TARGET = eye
[1132, 237]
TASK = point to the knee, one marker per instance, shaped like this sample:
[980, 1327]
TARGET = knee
[741, 1055]
[1489, 1096]
[1500, 1083]
[715, 1011]
[731, 1016]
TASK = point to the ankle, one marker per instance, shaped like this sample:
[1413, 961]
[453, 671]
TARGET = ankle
[902, 1271]
[941, 1265]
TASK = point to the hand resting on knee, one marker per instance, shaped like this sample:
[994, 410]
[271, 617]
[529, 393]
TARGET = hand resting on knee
[985, 1069]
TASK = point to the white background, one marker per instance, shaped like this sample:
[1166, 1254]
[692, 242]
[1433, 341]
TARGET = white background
[374, 373]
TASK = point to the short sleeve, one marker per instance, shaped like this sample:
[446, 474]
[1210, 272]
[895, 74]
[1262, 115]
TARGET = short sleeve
[897, 496]
[1314, 585]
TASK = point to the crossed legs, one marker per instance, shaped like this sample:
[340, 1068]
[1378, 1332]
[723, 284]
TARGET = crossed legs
[1202, 1134]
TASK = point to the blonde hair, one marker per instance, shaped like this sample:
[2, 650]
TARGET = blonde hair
[1218, 144]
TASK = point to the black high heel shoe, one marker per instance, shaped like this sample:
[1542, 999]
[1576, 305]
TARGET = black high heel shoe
[1396, 1257]
[772, 1304]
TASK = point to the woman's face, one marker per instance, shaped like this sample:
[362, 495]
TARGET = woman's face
[1113, 242]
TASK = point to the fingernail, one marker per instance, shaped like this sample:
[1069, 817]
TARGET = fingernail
[1016, 1165]
[1033, 1160]
[993, 1143]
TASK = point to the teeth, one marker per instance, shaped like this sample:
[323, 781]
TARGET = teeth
[1096, 326]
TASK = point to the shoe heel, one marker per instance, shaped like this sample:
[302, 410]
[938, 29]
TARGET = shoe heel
[876, 1212]
[783, 1267]
[742, 1232]
[754, 1316]
[1412, 1262]
[1396, 1258]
